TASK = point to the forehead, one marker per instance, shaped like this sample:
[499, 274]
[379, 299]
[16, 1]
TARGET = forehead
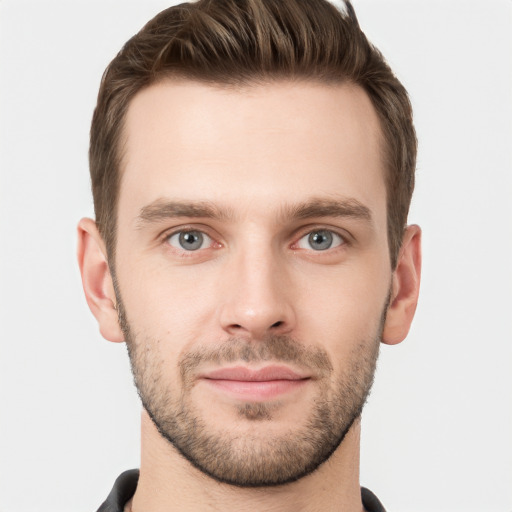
[267, 143]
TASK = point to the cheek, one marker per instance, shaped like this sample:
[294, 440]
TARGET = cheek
[167, 304]
[345, 307]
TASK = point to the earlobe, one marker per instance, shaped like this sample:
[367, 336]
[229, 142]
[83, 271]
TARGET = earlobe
[405, 288]
[97, 280]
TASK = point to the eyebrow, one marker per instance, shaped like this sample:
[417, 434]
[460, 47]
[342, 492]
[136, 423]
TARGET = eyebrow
[162, 209]
[346, 207]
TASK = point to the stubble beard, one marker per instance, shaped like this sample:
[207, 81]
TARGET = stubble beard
[254, 459]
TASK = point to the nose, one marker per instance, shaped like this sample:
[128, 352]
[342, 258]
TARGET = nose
[257, 295]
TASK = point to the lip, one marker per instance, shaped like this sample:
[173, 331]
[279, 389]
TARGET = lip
[255, 385]
[268, 373]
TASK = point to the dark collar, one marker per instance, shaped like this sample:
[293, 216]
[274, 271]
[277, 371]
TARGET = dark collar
[126, 483]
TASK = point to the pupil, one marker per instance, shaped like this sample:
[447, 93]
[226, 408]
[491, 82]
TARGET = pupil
[320, 240]
[191, 240]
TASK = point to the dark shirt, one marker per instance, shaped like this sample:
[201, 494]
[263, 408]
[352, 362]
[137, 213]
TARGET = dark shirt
[125, 485]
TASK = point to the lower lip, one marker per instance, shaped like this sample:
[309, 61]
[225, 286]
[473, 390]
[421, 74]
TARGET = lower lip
[256, 390]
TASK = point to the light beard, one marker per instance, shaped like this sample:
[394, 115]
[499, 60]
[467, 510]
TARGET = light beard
[258, 457]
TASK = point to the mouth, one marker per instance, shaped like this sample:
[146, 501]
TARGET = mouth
[255, 385]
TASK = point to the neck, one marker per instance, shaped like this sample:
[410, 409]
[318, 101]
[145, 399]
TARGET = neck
[168, 482]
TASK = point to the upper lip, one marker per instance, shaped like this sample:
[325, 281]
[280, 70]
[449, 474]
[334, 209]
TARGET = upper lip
[242, 373]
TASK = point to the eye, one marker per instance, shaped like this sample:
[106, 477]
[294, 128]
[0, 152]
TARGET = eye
[320, 240]
[189, 240]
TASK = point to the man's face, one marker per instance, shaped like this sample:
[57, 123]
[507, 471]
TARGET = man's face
[252, 270]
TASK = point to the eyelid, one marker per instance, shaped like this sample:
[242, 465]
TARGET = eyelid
[336, 241]
[307, 230]
[206, 239]
[345, 236]
[166, 233]
[184, 228]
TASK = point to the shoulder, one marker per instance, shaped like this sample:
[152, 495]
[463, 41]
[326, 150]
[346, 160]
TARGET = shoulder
[370, 502]
[122, 492]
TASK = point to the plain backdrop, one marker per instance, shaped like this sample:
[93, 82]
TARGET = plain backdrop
[437, 429]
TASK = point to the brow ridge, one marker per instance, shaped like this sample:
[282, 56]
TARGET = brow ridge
[349, 207]
[162, 209]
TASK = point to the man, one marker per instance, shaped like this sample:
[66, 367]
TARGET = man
[252, 166]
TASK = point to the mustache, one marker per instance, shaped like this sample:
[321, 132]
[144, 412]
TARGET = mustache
[275, 348]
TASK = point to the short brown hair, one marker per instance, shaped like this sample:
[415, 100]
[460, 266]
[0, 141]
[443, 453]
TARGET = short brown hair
[239, 42]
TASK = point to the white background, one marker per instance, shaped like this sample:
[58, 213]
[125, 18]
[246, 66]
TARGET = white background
[437, 431]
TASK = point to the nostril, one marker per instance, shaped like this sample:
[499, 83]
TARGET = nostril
[277, 324]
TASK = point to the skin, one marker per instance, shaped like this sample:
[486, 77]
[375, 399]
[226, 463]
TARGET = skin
[256, 155]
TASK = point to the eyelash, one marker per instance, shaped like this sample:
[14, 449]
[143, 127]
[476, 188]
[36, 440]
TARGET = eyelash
[344, 240]
[184, 230]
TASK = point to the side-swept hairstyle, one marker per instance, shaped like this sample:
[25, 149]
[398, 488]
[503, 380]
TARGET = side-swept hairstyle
[240, 42]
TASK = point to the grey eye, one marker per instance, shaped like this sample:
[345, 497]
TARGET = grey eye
[320, 240]
[189, 240]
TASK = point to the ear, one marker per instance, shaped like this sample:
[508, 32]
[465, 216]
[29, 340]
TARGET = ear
[97, 280]
[405, 288]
